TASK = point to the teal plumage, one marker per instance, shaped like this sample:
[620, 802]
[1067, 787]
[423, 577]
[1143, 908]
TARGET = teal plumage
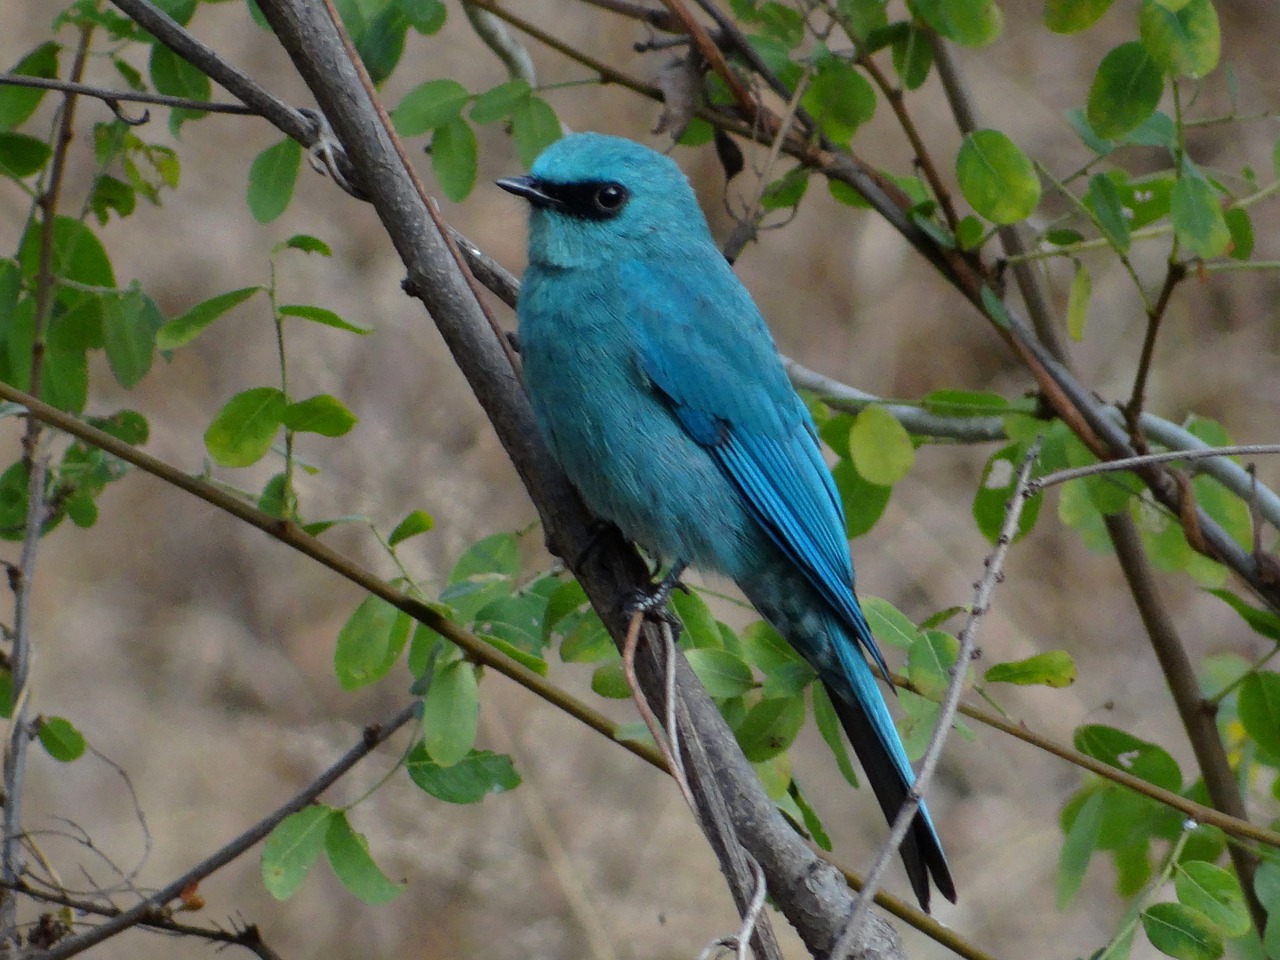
[657, 386]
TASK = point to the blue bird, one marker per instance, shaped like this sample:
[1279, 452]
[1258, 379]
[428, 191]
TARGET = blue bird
[657, 386]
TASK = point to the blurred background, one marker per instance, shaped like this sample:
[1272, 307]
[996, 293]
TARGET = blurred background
[196, 654]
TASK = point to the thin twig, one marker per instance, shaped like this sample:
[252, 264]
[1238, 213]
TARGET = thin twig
[248, 936]
[993, 574]
[20, 729]
[1128, 463]
[1174, 274]
[372, 737]
[495, 35]
[114, 97]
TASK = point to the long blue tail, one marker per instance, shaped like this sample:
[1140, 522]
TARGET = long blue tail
[787, 601]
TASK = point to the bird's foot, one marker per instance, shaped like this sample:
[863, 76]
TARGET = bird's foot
[651, 602]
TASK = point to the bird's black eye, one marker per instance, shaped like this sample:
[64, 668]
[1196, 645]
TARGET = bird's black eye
[610, 197]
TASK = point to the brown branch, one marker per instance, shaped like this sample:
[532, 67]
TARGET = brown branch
[1197, 714]
[48, 203]
[897, 102]
[156, 903]
[248, 936]
[1174, 274]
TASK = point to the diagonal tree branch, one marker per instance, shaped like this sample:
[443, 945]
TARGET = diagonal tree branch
[611, 570]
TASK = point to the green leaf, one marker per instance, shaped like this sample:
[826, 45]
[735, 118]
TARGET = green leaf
[1260, 620]
[770, 727]
[996, 177]
[912, 57]
[322, 316]
[828, 723]
[322, 414]
[1241, 229]
[349, 856]
[888, 624]
[700, 627]
[292, 848]
[1103, 198]
[1125, 91]
[469, 780]
[808, 816]
[450, 713]
[1078, 302]
[18, 103]
[535, 127]
[723, 674]
[78, 254]
[66, 379]
[864, 502]
[307, 244]
[970, 232]
[272, 177]
[175, 77]
[497, 103]
[60, 739]
[1259, 708]
[971, 23]
[453, 158]
[1126, 752]
[1147, 200]
[929, 662]
[369, 643]
[416, 522]
[426, 16]
[382, 44]
[1077, 849]
[1215, 893]
[608, 680]
[111, 194]
[787, 191]
[182, 330]
[998, 482]
[880, 446]
[840, 98]
[242, 432]
[1198, 222]
[766, 650]
[1052, 669]
[21, 155]
[1072, 16]
[1181, 932]
[1183, 42]
[428, 106]
[129, 325]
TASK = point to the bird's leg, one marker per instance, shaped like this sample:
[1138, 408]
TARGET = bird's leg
[652, 602]
[599, 530]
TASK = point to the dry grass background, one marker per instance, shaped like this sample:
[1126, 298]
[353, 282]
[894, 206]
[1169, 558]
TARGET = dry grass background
[197, 655]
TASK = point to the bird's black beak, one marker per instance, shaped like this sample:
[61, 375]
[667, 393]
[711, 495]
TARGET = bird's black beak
[531, 188]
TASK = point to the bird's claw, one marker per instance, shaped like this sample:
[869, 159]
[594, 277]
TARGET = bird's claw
[651, 602]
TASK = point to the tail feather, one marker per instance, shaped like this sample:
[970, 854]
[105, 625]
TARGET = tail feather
[828, 643]
[921, 849]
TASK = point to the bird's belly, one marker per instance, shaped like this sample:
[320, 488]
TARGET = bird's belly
[635, 466]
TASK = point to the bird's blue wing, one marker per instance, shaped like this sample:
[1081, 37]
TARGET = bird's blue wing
[710, 356]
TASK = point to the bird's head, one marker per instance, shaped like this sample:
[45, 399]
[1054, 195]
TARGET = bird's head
[595, 198]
